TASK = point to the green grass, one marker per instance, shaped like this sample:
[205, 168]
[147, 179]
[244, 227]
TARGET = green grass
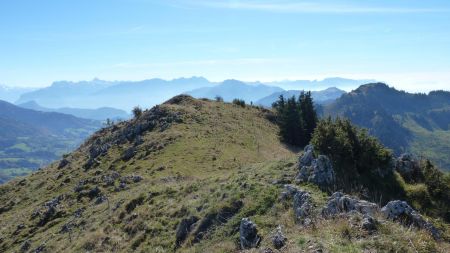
[219, 154]
[434, 145]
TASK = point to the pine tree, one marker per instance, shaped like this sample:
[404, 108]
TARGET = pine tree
[308, 113]
[291, 121]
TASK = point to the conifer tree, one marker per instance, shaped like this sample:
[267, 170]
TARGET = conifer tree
[308, 113]
[297, 119]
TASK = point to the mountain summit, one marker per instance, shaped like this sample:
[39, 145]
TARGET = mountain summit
[195, 175]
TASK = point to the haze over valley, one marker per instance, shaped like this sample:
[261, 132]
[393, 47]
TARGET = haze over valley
[225, 126]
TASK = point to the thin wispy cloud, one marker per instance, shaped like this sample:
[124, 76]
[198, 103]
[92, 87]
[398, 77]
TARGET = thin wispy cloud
[206, 62]
[306, 7]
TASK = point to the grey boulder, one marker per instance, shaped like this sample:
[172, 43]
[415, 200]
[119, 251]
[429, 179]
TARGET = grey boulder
[303, 207]
[249, 237]
[278, 238]
[340, 203]
[307, 157]
[319, 172]
[398, 210]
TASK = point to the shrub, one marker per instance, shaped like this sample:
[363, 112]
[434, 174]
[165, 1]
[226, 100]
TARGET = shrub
[137, 111]
[360, 161]
[239, 102]
[219, 99]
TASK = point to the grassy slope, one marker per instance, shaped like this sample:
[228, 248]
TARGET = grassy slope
[219, 154]
[434, 145]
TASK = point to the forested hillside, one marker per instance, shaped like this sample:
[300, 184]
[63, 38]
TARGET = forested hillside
[418, 123]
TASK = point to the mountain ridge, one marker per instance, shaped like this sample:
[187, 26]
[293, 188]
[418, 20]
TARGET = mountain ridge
[320, 97]
[101, 113]
[403, 121]
[146, 93]
[181, 177]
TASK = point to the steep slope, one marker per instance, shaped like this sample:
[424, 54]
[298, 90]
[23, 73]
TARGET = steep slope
[30, 139]
[178, 178]
[231, 89]
[321, 97]
[101, 113]
[402, 121]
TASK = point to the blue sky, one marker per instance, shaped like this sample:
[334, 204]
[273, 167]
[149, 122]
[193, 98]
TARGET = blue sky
[405, 43]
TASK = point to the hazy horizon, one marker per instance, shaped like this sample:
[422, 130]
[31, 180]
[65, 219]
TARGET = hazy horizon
[403, 43]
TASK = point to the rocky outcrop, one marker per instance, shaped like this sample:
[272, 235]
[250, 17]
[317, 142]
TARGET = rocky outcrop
[318, 170]
[408, 166]
[307, 157]
[49, 211]
[398, 210]
[369, 223]
[157, 118]
[248, 234]
[340, 203]
[289, 192]
[302, 203]
[278, 238]
[303, 207]
[109, 179]
[128, 153]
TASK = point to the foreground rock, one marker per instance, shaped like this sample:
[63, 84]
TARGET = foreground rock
[303, 207]
[278, 238]
[318, 170]
[340, 203]
[369, 223]
[408, 166]
[302, 203]
[398, 210]
[307, 157]
[49, 211]
[248, 234]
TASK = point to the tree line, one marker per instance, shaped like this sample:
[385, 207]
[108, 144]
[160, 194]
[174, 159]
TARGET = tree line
[297, 118]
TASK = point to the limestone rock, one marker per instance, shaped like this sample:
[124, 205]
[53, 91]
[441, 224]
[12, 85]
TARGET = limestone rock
[278, 238]
[320, 172]
[398, 210]
[49, 211]
[307, 157]
[248, 234]
[289, 192]
[408, 166]
[303, 207]
[369, 223]
[340, 203]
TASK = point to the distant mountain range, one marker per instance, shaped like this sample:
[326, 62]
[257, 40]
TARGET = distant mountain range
[419, 123]
[321, 97]
[11, 94]
[120, 94]
[102, 113]
[30, 139]
[231, 89]
[341, 83]
[127, 94]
